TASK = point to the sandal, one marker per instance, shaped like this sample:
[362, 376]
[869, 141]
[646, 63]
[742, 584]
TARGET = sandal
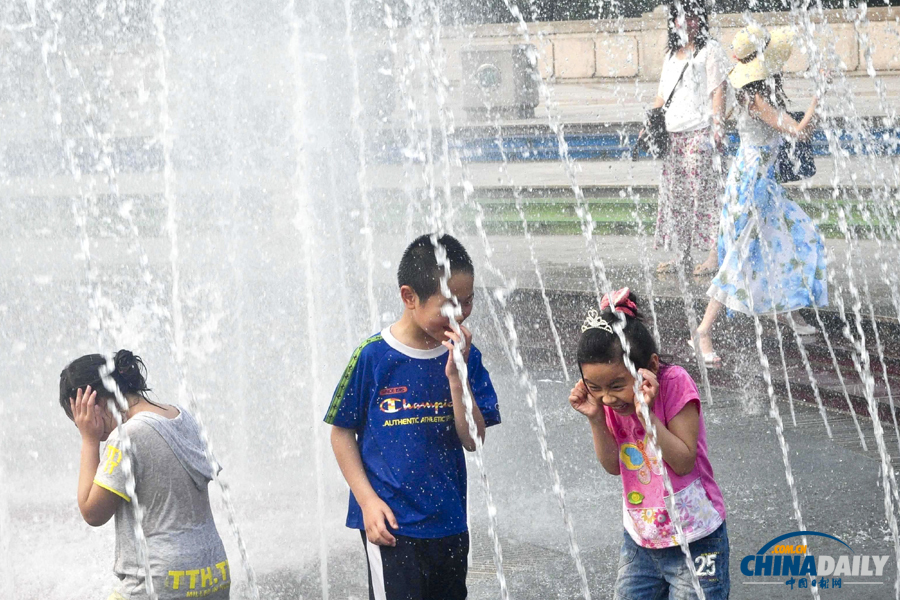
[710, 359]
[666, 268]
[703, 271]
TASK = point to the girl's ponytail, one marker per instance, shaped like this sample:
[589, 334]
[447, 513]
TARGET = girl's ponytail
[130, 373]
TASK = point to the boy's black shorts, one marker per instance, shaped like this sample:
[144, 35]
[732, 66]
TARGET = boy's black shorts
[418, 569]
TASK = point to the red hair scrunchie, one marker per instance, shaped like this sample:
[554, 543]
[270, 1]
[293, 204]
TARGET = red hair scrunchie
[620, 302]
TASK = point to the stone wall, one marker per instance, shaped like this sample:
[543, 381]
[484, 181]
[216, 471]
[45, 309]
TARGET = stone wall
[573, 51]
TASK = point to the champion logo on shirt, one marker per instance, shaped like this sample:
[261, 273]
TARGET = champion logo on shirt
[394, 405]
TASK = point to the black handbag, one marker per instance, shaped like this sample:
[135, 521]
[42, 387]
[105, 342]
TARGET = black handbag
[655, 139]
[795, 158]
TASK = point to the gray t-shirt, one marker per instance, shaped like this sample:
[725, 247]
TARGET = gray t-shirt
[171, 473]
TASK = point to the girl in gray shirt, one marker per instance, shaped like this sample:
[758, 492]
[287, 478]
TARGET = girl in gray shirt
[166, 478]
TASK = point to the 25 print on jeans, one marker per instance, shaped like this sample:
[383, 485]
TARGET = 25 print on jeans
[780, 562]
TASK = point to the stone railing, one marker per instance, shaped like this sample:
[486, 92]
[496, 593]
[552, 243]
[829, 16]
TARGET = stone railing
[634, 48]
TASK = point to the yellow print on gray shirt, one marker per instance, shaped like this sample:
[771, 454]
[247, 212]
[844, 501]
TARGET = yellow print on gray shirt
[200, 582]
[113, 458]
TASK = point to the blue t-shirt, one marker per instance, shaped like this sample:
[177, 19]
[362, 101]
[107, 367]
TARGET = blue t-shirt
[398, 400]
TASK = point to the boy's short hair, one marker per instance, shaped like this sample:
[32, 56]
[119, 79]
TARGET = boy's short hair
[419, 268]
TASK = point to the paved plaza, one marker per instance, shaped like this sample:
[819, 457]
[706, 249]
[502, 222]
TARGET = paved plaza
[240, 193]
[836, 482]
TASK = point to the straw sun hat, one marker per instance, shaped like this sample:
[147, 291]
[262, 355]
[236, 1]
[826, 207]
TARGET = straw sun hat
[770, 50]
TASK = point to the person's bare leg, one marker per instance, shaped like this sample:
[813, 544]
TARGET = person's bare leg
[709, 318]
[711, 262]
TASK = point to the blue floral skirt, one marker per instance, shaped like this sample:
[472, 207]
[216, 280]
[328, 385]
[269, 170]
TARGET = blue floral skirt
[771, 255]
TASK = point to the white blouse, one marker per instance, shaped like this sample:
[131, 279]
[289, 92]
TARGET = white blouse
[691, 106]
[753, 131]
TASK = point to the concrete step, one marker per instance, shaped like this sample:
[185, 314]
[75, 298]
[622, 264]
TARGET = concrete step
[580, 103]
[865, 172]
[602, 142]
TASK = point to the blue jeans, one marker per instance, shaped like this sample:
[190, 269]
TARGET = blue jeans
[654, 574]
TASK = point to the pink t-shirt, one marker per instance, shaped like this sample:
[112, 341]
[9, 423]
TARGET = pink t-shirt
[697, 497]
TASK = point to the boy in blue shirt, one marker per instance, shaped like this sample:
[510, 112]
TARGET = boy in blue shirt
[399, 429]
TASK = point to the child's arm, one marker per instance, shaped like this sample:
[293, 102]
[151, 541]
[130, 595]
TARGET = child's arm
[456, 393]
[604, 443]
[96, 504]
[459, 417]
[782, 121]
[375, 510]
[718, 107]
[678, 440]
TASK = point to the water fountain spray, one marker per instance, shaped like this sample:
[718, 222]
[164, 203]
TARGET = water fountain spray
[412, 152]
[302, 222]
[598, 274]
[361, 169]
[509, 338]
[860, 356]
[883, 204]
[510, 344]
[468, 190]
[447, 121]
[451, 310]
[51, 44]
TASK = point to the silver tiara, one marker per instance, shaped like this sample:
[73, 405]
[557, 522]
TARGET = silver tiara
[595, 321]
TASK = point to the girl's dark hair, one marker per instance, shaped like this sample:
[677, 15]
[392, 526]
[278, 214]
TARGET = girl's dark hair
[692, 8]
[772, 90]
[600, 346]
[129, 374]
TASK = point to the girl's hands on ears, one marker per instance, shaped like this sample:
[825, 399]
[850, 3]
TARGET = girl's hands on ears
[581, 401]
[649, 391]
[87, 414]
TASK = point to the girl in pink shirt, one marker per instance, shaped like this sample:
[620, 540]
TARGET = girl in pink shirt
[651, 563]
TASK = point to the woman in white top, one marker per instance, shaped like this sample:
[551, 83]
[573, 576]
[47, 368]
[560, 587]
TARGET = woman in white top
[771, 252]
[688, 208]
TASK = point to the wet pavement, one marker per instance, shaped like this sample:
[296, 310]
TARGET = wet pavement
[836, 483]
[283, 517]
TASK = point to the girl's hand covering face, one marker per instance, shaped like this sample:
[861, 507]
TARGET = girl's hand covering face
[87, 415]
[581, 401]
